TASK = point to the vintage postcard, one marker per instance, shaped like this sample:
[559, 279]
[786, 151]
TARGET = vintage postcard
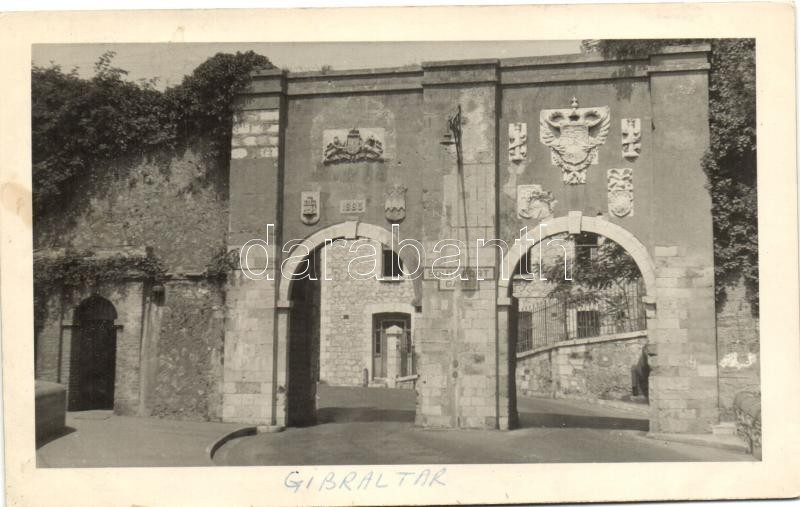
[522, 254]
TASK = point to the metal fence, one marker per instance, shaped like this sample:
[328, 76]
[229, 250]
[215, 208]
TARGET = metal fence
[597, 313]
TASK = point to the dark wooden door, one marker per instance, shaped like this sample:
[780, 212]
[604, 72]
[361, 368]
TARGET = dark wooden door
[97, 364]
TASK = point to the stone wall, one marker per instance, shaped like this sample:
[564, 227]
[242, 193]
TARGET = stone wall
[345, 313]
[738, 349]
[600, 370]
[535, 375]
[189, 352]
[176, 203]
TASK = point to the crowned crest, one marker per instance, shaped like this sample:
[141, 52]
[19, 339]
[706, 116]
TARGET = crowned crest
[517, 142]
[534, 203]
[631, 138]
[352, 147]
[620, 192]
[309, 207]
[573, 136]
[395, 205]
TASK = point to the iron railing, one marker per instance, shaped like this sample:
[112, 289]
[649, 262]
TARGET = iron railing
[597, 313]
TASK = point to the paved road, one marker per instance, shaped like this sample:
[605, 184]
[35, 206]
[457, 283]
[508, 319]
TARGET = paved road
[375, 426]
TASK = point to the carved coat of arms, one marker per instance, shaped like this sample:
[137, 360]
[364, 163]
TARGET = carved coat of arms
[353, 148]
[309, 207]
[517, 142]
[631, 138]
[395, 205]
[534, 203]
[573, 136]
[620, 192]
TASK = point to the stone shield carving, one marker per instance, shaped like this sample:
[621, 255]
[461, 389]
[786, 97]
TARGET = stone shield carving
[534, 203]
[517, 142]
[395, 205]
[573, 136]
[631, 138]
[341, 145]
[620, 192]
[309, 207]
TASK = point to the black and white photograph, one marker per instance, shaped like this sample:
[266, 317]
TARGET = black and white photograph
[337, 258]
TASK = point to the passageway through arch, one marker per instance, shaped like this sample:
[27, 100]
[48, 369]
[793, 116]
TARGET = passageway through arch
[346, 365]
[581, 334]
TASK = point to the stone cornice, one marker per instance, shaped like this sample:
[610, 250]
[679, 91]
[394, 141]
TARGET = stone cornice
[505, 72]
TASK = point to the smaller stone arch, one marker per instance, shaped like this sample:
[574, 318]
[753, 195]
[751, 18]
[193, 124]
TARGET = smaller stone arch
[575, 223]
[96, 307]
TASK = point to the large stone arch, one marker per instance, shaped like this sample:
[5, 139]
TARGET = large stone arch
[573, 223]
[344, 230]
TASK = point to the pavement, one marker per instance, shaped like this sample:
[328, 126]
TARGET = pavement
[97, 438]
[373, 426]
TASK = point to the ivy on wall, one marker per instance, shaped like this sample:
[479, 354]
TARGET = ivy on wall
[78, 125]
[83, 269]
[730, 161]
[222, 263]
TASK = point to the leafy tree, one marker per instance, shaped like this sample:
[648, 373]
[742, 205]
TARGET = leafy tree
[730, 161]
[609, 278]
[203, 104]
[80, 125]
[610, 267]
[77, 122]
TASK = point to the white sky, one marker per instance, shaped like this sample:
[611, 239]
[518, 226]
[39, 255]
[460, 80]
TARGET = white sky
[170, 62]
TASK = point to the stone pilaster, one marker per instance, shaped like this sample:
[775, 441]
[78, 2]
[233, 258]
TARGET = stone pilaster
[683, 380]
[459, 383]
[250, 383]
[683, 383]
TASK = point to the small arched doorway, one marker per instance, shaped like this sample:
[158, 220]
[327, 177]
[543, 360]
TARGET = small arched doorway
[93, 355]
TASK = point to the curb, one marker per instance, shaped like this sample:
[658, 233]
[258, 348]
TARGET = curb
[709, 440]
[212, 449]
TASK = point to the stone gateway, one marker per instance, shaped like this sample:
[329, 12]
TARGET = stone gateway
[440, 151]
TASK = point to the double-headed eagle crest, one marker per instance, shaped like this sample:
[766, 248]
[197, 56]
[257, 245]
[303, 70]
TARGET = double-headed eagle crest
[573, 136]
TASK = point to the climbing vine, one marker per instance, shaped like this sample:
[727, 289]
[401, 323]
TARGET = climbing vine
[222, 263]
[79, 125]
[83, 269]
[730, 161]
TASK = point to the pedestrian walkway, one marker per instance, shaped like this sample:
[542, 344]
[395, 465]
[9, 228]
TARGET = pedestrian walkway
[97, 438]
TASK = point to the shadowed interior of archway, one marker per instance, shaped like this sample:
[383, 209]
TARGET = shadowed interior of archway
[312, 400]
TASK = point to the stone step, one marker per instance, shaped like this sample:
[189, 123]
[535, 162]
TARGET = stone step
[724, 428]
